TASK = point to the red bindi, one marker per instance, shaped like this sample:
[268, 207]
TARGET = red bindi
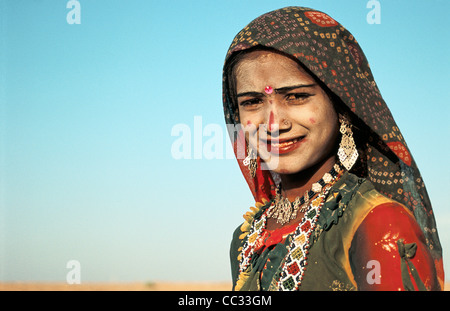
[268, 89]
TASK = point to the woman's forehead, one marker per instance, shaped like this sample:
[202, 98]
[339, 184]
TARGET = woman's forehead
[268, 68]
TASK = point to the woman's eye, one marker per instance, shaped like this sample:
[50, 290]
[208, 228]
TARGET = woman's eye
[251, 102]
[297, 96]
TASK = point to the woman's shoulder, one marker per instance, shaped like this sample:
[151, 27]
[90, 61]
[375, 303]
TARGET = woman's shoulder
[366, 197]
[356, 198]
[390, 235]
[371, 211]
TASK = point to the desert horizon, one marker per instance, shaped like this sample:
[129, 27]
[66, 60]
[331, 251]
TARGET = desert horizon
[125, 286]
[117, 286]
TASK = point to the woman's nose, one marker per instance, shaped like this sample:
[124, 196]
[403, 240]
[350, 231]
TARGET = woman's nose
[272, 124]
[276, 121]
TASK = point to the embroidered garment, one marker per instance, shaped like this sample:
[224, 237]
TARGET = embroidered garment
[333, 56]
[343, 251]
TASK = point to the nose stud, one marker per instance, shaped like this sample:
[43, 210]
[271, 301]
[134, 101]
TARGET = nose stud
[268, 90]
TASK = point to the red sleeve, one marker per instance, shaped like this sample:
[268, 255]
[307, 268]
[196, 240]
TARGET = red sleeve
[374, 253]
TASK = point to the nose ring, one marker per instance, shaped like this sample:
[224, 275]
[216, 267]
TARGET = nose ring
[286, 122]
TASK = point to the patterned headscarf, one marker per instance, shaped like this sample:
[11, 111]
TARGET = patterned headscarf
[330, 53]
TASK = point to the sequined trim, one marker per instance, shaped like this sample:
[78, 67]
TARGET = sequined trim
[296, 260]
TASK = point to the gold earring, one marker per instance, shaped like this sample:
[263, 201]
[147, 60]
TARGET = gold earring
[347, 153]
[250, 161]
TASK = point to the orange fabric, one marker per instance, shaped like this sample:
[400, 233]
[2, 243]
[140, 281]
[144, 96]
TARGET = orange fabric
[269, 238]
[375, 241]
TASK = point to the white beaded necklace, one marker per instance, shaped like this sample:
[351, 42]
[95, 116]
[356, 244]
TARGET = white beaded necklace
[295, 262]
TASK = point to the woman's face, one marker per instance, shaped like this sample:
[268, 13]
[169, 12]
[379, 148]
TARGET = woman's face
[289, 118]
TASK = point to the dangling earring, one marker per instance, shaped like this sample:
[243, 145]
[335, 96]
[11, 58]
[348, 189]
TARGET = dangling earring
[347, 153]
[250, 161]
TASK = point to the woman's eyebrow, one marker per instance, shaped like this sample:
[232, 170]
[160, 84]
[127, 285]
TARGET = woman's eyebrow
[279, 90]
[293, 87]
[250, 94]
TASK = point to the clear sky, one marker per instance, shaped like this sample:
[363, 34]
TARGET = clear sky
[87, 112]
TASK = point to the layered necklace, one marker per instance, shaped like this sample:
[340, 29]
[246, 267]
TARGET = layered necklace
[295, 262]
[284, 210]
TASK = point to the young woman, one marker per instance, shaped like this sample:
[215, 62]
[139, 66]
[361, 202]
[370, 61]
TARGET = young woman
[340, 203]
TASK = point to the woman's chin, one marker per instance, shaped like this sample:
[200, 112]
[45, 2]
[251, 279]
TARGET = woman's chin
[283, 168]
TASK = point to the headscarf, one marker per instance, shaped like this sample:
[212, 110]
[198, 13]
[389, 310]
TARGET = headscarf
[333, 56]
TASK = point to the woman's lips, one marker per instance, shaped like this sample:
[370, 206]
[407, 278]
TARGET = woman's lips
[282, 146]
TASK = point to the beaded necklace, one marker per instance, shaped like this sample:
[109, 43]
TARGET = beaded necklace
[284, 211]
[295, 262]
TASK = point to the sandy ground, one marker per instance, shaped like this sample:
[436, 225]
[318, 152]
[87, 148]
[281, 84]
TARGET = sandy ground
[153, 286]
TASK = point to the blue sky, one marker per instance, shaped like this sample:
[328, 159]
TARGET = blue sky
[87, 112]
